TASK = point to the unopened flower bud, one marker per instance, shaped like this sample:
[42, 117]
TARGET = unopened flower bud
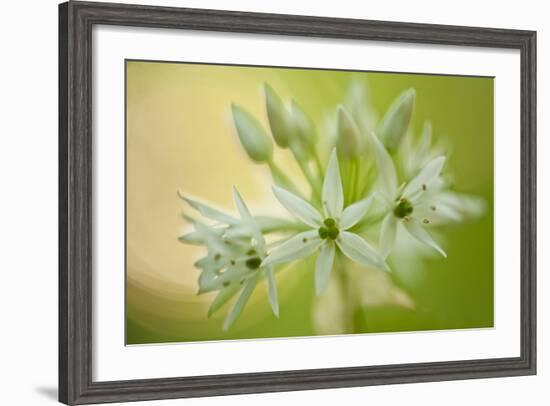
[397, 119]
[253, 137]
[350, 142]
[304, 127]
[279, 117]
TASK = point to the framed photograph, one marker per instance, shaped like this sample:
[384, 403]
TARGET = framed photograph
[260, 202]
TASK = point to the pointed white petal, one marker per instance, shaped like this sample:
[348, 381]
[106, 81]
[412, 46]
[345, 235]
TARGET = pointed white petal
[386, 170]
[232, 275]
[414, 227]
[299, 246]
[426, 176]
[272, 290]
[208, 211]
[212, 263]
[355, 213]
[358, 250]
[206, 278]
[445, 214]
[333, 193]
[437, 212]
[222, 298]
[298, 207]
[323, 266]
[471, 206]
[248, 219]
[387, 234]
[210, 236]
[241, 302]
[193, 237]
[424, 144]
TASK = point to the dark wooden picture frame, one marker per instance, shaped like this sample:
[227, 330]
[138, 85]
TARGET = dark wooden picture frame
[76, 20]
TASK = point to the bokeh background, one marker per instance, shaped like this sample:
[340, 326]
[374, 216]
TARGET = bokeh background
[180, 137]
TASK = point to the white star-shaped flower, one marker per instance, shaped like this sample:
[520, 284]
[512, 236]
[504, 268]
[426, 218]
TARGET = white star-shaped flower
[329, 229]
[411, 204]
[233, 263]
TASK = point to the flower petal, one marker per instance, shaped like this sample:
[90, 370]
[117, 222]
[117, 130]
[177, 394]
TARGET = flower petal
[355, 213]
[194, 238]
[387, 175]
[241, 302]
[208, 211]
[222, 298]
[232, 275]
[248, 219]
[387, 234]
[272, 290]
[358, 250]
[206, 278]
[425, 177]
[298, 207]
[333, 193]
[418, 232]
[299, 246]
[323, 266]
[424, 144]
[467, 205]
[210, 236]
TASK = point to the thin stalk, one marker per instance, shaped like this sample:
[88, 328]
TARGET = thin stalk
[364, 186]
[363, 224]
[281, 179]
[353, 180]
[346, 294]
[316, 194]
[315, 190]
[318, 162]
[358, 192]
[283, 228]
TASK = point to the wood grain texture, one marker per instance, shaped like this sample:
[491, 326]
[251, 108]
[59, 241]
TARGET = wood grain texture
[76, 20]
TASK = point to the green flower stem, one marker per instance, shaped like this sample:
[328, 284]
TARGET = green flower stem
[281, 179]
[344, 283]
[366, 223]
[362, 182]
[318, 162]
[315, 186]
[354, 164]
[285, 228]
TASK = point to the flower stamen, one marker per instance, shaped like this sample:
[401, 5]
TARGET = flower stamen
[403, 209]
[329, 230]
[253, 263]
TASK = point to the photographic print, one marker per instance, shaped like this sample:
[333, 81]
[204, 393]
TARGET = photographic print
[270, 202]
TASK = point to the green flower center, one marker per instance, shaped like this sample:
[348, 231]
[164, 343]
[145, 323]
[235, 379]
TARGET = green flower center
[403, 208]
[253, 263]
[329, 229]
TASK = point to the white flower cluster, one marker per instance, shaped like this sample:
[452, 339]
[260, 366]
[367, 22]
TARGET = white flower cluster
[378, 182]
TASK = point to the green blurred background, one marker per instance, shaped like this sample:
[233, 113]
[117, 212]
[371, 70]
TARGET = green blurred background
[180, 137]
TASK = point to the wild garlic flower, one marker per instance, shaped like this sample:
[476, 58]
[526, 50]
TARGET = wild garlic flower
[330, 229]
[234, 262]
[411, 205]
[452, 206]
[332, 217]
